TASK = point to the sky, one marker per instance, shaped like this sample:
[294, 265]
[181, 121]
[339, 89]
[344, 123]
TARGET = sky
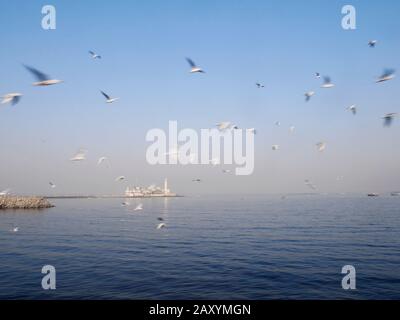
[143, 45]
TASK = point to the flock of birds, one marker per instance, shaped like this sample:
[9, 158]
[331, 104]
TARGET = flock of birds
[43, 79]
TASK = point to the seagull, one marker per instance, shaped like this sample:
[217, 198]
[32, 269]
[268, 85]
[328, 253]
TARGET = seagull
[139, 207]
[193, 66]
[275, 147]
[388, 119]
[160, 219]
[317, 75]
[52, 185]
[5, 192]
[15, 229]
[109, 99]
[259, 85]
[125, 203]
[120, 178]
[321, 146]
[308, 95]
[278, 123]
[43, 79]
[388, 74]
[226, 171]
[327, 83]
[101, 160]
[79, 156]
[291, 129]
[224, 125]
[353, 109]
[12, 98]
[196, 180]
[372, 43]
[309, 184]
[161, 225]
[94, 55]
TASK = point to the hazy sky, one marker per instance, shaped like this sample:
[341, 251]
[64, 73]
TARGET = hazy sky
[144, 45]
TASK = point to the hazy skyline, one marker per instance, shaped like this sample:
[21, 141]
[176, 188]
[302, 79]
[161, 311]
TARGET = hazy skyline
[143, 47]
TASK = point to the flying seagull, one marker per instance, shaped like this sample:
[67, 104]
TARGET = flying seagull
[101, 160]
[160, 219]
[52, 185]
[278, 123]
[120, 178]
[139, 207]
[327, 83]
[308, 95]
[15, 229]
[259, 85]
[388, 119]
[196, 180]
[353, 109]
[12, 98]
[125, 203]
[388, 74]
[317, 75]
[94, 55]
[275, 147]
[193, 67]
[109, 99]
[226, 171]
[160, 225]
[79, 156]
[292, 128]
[372, 43]
[43, 79]
[321, 146]
[224, 125]
[309, 184]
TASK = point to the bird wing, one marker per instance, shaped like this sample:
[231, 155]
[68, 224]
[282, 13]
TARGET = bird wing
[92, 53]
[37, 74]
[106, 95]
[15, 100]
[191, 62]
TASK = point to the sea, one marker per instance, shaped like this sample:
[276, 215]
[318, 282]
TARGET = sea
[212, 247]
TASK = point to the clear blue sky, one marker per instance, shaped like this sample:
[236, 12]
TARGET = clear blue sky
[144, 45]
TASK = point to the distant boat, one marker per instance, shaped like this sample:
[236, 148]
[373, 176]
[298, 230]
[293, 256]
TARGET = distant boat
[373, 195]
[395, 194]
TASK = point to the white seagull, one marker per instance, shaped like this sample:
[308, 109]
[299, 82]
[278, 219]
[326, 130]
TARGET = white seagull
[309, 184]
[278, 123]
[108, 98]
[259, 85]
[79, 156]
[139, 207]
[43, 79]
[12, 98]
[160, 225]
[193, 67]
[388, 119]
[321, 146]
[215, 161]
[125, 203]
[15, 229]
[317, 75]
[308, 95]
[372, 43]
[292, 128]
[224, 125]
[226, 171]
[101, 160]
[94, 55]
[388, 74]
[327, 83]
[353, 109]
[120, 178]
[52, 185]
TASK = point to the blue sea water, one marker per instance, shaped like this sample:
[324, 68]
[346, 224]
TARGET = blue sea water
[213, 247]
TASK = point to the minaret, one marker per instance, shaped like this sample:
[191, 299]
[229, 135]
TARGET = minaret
[166, 186]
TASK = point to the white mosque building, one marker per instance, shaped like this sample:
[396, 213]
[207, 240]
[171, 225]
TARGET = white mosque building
[151, 191]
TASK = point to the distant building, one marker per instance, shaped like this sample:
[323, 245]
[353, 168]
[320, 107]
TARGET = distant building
[151, 191]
